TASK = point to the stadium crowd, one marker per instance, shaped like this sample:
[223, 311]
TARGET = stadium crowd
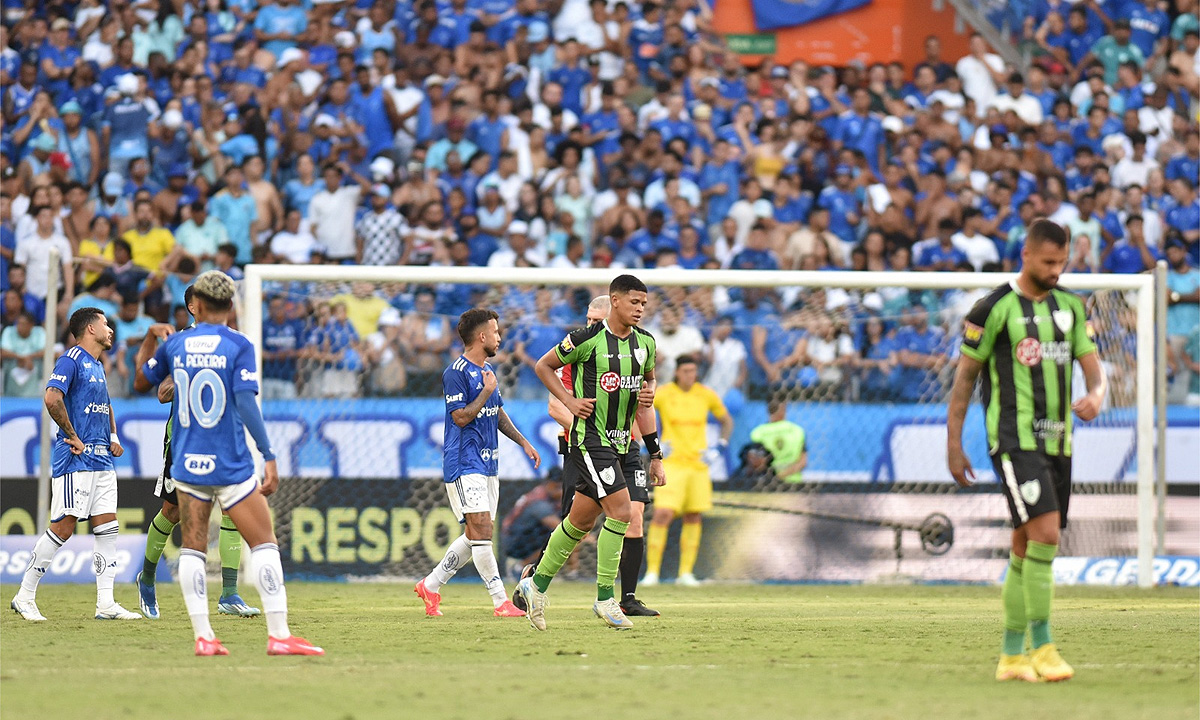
[150, 141]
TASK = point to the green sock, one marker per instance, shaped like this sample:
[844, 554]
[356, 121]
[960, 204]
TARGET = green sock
[562, 543]
[156, 539]
[1039, 590]
[231, 556]
[1013, 596]
[608, 556]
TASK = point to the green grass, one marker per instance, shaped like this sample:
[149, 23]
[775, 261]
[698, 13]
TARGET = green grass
[741, 652]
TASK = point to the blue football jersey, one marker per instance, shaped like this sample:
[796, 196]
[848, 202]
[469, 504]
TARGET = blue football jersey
[472, 449]
[80, 378]
[209, 365]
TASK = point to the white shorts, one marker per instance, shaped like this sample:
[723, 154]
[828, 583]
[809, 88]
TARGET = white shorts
[474, 494]
[83, 494]
[225, 495]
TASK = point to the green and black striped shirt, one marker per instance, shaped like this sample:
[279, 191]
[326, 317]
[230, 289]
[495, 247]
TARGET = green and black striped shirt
[1029, 350]
[609, 369]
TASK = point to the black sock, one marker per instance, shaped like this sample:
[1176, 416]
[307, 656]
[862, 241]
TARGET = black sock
[632, 553]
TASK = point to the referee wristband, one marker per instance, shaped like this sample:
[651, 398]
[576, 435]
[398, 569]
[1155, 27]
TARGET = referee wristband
[652, 446]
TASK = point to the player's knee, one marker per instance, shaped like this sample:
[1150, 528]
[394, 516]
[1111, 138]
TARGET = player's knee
[64, 527]
[663, 516]
[691, 518]
[479, 528]
[171, 513]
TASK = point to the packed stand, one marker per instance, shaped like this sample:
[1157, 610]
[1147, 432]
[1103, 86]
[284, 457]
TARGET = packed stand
[148, 142]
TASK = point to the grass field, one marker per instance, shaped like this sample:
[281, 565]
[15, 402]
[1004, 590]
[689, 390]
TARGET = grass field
[741, 652]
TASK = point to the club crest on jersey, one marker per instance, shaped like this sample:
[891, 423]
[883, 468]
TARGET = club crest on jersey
[1029, 352]
[639, 354]
[1064, 320]
[1031, 491]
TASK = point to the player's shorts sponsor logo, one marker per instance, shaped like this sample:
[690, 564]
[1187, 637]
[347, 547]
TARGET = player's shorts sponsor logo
[201, 343]
[972, 333]
[454, 398]
[1031, 491]
[639, 478]
[218, 362]
[248, 376]
[56, 376]
[197, 464]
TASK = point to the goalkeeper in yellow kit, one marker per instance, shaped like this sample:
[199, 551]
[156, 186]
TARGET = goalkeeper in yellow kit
[684, 406]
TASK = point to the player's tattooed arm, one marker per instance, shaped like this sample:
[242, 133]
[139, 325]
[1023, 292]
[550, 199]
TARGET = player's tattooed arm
[166, 390]
[466, 415]
[57, 409]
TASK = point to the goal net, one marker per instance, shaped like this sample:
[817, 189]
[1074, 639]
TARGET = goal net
[352, 362]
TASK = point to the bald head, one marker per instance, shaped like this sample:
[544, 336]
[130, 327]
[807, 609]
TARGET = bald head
[598, 308]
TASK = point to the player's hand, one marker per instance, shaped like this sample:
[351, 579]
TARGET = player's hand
[658, 476]
[532, 453]
[115, 449]
[711, 456]
[162, 331]
[581, 407]
[489, 382]
[1087, 407]
[75, 444]
[960, 467]
[646, 395]
[270, 480]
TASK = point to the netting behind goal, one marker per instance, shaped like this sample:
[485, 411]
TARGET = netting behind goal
[352, 396]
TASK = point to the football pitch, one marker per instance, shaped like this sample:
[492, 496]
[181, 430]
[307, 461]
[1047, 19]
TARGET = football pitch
[719, 651]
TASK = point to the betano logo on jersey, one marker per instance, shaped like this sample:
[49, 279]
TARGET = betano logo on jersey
[1031, 351]
[98, 408]
[611, 382]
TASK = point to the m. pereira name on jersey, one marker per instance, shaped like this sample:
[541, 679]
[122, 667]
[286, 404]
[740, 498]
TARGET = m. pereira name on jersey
[611, 382]
[217, 362]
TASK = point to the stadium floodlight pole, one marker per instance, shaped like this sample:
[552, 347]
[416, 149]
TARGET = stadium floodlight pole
[1142, 284]
[1160, 404]
[51, 322]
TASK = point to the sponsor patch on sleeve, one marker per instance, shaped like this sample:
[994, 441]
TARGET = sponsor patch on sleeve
[566, 345]
[1091, 331]
[972, 333]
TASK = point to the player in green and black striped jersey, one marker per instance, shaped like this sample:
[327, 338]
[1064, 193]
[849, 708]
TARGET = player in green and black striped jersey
[163, 524]
[610, 362]
[1024, 339]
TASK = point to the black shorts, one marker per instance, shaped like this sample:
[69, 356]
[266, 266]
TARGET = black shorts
[1034, 484]
[635, 475]
[165, 487]
[595, 473]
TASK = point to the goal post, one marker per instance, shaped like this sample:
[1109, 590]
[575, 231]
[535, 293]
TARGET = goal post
[1136, 291]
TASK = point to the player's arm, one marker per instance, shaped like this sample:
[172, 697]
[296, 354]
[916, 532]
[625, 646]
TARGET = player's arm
[146, 353]
[510, 431]
[960, 398]
[559, 412]
[166, 390]
[1088, 406]
[251, 415]
[547, 368]
[648, 423]
[57, 408]
[114, 442]
[463, 416]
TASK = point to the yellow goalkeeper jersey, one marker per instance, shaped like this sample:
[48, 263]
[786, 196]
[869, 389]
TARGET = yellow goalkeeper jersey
[685, 420]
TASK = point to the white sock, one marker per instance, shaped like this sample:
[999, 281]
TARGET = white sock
[485, 564]
[268, 578]
[457, 555]
[104, 561]
[193, 580]
[43, 554]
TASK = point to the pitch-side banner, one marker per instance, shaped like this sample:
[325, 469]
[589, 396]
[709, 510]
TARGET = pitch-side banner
[74, 562]
[776, 14]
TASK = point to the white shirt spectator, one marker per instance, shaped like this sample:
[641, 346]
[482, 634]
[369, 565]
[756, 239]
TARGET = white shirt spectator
[506, 258]
[541, 116]
[295, 247]
[608, 200]
[34, 254]
[656, 192]
[686, 340]
[979, 249]
[332, 218]
[1130, 172]
[1027, 107]
[404, 98]
[728, 357]
[977, 82]
[510, 188]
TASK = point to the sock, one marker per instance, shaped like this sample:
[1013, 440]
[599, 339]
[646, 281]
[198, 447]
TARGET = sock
[1013, 596]
[156, 540]
[632, 552]
[457, 555]
[43, 553]
[104, 561]
[689, 547]
[562, 543]
[268, 578]
[485, 564]
[231, 556]
[193, 580]
[656, 543]
[1039, 590]
[608, 556]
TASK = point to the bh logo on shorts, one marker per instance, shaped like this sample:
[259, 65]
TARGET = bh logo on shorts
[1031, 491]
[270, 583]
[1029, 352]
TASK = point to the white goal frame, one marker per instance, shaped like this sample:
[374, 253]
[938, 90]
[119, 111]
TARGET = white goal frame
[1144, 285]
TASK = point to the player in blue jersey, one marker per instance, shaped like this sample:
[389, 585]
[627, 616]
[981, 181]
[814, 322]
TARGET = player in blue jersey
[216, 381]
[83, 481]
[163, 524]
[475, 418]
